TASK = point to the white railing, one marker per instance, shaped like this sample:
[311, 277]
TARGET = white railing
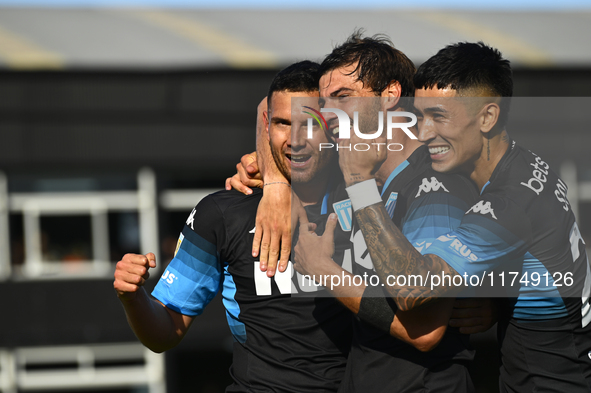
[127, 365]
[97, 205]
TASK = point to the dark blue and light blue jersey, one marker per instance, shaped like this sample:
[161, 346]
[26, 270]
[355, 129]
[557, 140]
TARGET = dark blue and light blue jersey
[283, 343]
[424, 204]
[522, 234]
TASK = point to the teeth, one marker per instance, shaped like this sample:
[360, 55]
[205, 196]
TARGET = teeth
[335, 130]
[299, 158]
[438, 150]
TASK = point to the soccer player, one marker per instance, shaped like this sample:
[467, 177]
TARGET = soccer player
[372, 69]
[522, 224]
[282, 343]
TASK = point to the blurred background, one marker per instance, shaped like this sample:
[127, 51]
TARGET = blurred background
[117, 117]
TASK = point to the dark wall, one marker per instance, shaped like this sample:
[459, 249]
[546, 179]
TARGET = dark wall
[198, 122]
[191, 127]
[194, 121]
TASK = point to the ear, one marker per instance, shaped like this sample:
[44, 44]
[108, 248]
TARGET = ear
[266, 123]
[392, 94]
[489, 116]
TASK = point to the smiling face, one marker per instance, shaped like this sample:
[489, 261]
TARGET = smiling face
[336, 89]
[298, 158]
[449, 126]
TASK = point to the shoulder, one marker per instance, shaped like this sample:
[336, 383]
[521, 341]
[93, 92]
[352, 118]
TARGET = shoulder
[435, 184]
[528, 181]
[218, 211]
[224, 200]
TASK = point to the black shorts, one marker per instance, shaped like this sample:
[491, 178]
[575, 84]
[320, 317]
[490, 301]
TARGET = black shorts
[545, 357]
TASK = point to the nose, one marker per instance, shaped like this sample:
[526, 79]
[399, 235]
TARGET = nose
[426, 130]
[298, 136]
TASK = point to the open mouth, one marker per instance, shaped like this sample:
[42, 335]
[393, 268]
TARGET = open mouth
[298, 160]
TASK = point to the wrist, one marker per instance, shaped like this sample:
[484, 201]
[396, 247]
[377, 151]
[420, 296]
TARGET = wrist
[276, 183]
[356, 177]
[364, 194]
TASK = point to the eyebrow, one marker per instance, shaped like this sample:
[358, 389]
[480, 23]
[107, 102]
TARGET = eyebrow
[434, 109]
[338, 91]
[280, 120]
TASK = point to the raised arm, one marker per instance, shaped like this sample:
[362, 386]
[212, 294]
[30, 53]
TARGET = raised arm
[156, 326]
[391, 253]
[272, 238]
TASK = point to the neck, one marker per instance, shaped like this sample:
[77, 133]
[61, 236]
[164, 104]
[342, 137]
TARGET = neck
[312, 192]
[492, 152]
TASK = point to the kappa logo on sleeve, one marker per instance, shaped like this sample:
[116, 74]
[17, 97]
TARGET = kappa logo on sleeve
[191, 219]
[430, 185]
[482, 208]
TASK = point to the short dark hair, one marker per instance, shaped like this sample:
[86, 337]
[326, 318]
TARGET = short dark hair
[468, 65]
[301, 77]
[378, 62]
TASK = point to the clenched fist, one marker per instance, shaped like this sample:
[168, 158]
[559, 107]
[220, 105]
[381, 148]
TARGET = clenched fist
[131, 273]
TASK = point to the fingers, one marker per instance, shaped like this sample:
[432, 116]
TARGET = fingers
[273, 254]
[248, 169]
[251, 166]
[302, 218]
[331, 224]
[131, 272]
[237, 184]
[256, 242]
[151, 259]
[264, 253]
[285, 252]
[472, 315]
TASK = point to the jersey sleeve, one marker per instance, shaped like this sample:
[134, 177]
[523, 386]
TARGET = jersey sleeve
[493, 233]
[194, 276]
[433, 214]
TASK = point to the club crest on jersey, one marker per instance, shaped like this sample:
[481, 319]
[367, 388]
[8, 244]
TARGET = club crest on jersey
[482, 208]
[344, 214]
[430, 185]
[391, 203]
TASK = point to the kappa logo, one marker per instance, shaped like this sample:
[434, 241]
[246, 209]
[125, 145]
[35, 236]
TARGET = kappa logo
[191, 219]
[483, 208]
[432, 185]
